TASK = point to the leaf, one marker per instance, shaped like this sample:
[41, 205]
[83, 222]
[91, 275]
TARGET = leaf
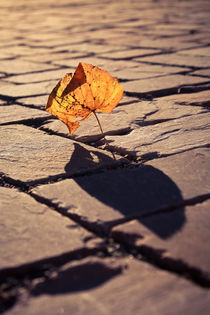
[77, 96]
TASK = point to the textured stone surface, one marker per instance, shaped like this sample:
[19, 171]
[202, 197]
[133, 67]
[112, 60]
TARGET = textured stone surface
[159, 51]
[32, 231]
[13, 67]
[174, 136]
[178, 59]
[29, 154]
[96, 286]
[160, 83]
[29, 89]
[122, 120]
[182, 235]
[13, 113]
[112, 195]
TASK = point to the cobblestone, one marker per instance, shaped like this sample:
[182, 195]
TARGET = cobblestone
[88, 227]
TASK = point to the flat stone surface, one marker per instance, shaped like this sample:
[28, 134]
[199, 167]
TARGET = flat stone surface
[31, 231]
[134, 113]
[202, 51]
[182, 235]
[99, 286]
[29, 154]
[188, 170]
[178, 59]
[37, 101]
[122, 119]
[204, 72]
[143, 71]
[22, 66]
[160, 83]
[174, 136]
[28, 89]
[17, 113]
[39, 77]
[122, 54]
[178, 106]
[108, 196]
[159, 51]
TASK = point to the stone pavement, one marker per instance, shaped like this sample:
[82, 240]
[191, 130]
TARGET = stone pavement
[82, 232]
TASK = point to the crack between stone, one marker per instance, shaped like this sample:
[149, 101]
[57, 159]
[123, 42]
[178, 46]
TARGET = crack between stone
[15, 277]
[181, 89]
[158, 259]
[187, 202]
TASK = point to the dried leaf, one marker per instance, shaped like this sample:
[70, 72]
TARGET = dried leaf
[76, 96]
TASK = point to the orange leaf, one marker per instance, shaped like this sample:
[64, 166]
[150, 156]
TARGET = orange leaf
[79, 95]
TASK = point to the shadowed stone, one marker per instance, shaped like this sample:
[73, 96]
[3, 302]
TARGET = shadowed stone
[29, 154]
[16, 113]
[32, 231]
[189, 244]
[174, 136]
[105, 197]
[100, 286]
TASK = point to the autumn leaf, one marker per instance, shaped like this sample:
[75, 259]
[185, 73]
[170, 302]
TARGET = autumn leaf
[77, 96]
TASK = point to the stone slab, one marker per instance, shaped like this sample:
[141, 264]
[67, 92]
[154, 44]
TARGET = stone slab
[178, 106]
[109, 196]
[56, 74]
[178, 59]
[28, 154]
[123, 117]
[29, 89]
[200, 51]
[32, 231]
[161, 83]
[48, 58]
[37, 101]
[183, 235]
[22, 66]
[96, 286]
[174, 136]
[131, 53]
[188, 170]
[12, 113]
[132, 113]
[203, 72]
[105, 64]
[143, 71]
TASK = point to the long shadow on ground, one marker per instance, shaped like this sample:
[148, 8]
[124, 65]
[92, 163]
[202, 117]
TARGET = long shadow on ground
[132, 191]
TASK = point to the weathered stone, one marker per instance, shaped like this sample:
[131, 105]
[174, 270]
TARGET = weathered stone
[37, 101]
[174, 136]
[29, 154]
[200, 51]
[108, 196]
[178, 106]
[12, 66]
[203, 72]
[145, 71]
[41, 76]
[160, 83]
[17, 113]
[27, 90]
[32, 231]
[105, 286]
[123, 54]
[178, 59]
[120, 121]
[53, 57]
[182, 235]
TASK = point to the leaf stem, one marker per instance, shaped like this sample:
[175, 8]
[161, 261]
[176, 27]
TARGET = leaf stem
[99, 125]
[106, 142]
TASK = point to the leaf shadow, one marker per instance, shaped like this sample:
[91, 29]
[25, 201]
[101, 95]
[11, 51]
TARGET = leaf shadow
[131, 191]
[78, 278]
